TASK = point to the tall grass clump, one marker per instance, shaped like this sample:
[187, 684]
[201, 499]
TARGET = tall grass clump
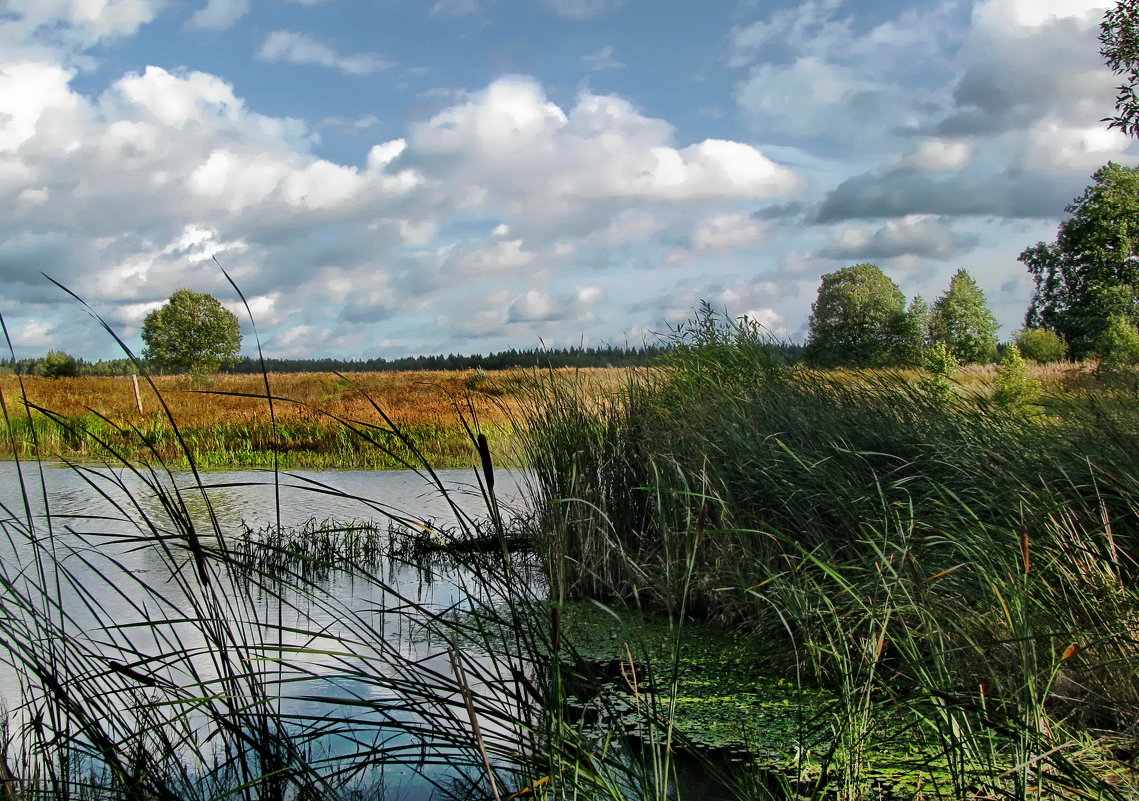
[956, 573]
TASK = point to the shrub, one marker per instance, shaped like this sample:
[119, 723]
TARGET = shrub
[1118, 345]
[1015, 388]
[1041, 345]
[58, 364]
[942, 365]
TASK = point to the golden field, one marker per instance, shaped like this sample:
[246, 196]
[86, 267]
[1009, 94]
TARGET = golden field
[227, 423]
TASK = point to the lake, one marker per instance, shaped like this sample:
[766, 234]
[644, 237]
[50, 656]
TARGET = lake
[130, 629]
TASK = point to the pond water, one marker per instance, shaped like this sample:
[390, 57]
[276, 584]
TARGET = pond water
[119, 610]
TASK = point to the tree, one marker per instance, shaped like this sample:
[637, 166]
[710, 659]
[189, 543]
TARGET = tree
[914, 341]
[857, 320]
[961, 319]
[58, 364]
[191, 333]
[1041, 345]
[1091, 271]
[1119, 40]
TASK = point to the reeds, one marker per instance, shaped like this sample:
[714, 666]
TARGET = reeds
[930, 559]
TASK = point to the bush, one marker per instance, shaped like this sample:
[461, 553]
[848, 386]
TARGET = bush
[1118, 345]
[1041, 345]
[1015, 388]
[942, 365]
[58, 364]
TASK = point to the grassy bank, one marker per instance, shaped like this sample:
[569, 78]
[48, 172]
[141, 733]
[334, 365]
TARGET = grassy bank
[322, 420]
[938, 564]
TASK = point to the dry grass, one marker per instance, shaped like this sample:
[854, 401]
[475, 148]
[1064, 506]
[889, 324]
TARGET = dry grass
[228, 423]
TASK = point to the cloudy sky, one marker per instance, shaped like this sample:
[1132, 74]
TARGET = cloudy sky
[391, 177]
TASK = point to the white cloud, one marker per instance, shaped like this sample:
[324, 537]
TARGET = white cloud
[726, 232]
[72, 24]
[628, 226]
[1008, 14]
[510, 143]
[300, 48]
[770, 320]
[217, 15]
[37, 334]
[935, 155]
[456, 8]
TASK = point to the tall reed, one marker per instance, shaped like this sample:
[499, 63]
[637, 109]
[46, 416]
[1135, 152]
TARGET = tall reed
[948, 568]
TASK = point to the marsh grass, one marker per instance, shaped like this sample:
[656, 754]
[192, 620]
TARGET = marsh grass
[958, 575]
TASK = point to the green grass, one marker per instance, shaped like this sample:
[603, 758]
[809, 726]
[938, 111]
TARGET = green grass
[937, 562]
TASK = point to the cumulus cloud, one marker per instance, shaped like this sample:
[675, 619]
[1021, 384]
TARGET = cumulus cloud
[300, 48]
[914, 235]
[65, 28]
[127, 195]
[509, 143]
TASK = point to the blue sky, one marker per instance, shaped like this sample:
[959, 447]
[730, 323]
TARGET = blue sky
[387, 177]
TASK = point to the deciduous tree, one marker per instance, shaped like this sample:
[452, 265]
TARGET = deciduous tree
[858, 319]
[191, 333]
[961, 319]
[1041, 345]
[1119, 40]
[1091, 272]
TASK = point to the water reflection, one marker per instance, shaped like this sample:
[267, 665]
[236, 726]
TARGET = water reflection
[119, 601]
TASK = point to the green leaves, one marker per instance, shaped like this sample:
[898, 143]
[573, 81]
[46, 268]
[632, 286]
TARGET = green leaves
[962, 321]
[192, 333]
[858, 319]
[1091, 272]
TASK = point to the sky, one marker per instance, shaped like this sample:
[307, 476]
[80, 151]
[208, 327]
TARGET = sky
[385, 178]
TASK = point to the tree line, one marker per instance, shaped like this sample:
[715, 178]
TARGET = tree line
[57, 364]
[1085, 304]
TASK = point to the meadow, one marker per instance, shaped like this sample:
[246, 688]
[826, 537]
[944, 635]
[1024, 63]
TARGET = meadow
[318, 420]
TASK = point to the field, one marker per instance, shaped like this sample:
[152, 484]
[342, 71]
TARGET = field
[322, 420]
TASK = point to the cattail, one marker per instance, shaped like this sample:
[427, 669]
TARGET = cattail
[1024, 549]
[1071, 649]
[484, 454]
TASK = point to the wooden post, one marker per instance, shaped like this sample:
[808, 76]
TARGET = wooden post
[137, 397]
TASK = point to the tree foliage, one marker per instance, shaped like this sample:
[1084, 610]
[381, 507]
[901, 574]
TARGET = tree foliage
[191, 333]
[1118, 345]
[1041, 345]
[1091, 272]
[961, 319]
[858, 320]
[1015, 389]
[58, 364]
[1119, 40]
